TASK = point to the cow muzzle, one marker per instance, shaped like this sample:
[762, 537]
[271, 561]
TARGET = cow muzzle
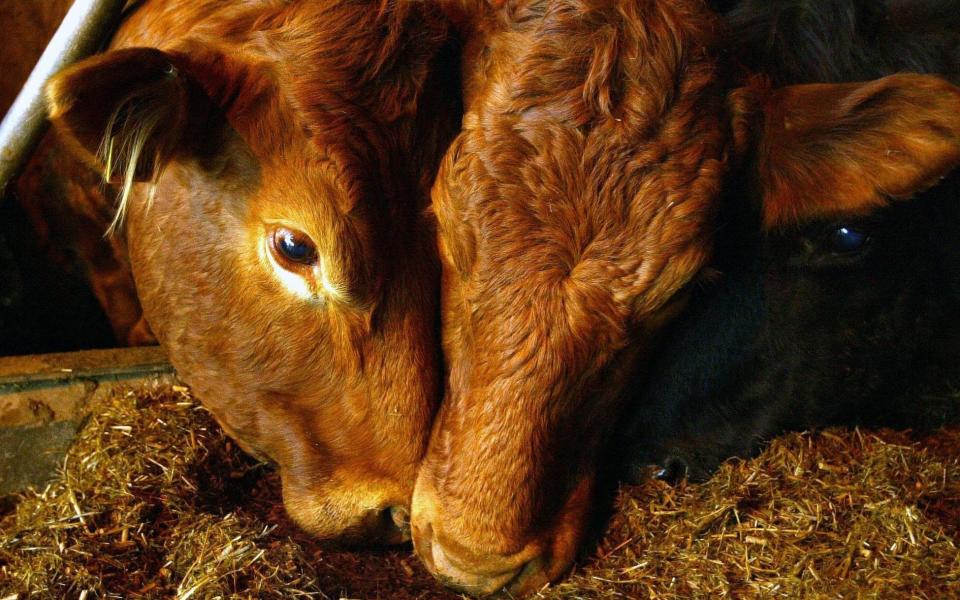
[475, 572]
[476, 568]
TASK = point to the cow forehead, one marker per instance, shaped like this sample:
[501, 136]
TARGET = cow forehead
[542, 195]
[586, 129]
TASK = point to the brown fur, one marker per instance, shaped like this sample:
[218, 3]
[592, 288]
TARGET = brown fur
[323, 116]
[572, 209]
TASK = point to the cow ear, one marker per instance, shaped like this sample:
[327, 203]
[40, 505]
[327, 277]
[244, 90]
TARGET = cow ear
[122, 112]
[826, 150]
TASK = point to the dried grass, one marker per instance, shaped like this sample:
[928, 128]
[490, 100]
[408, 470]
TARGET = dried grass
[837, 514]
[154, 502]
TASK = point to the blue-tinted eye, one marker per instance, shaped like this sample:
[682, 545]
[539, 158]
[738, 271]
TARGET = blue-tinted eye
[846, 239]
[295, 246]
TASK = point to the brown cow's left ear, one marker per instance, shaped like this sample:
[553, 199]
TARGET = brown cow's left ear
[826, 150]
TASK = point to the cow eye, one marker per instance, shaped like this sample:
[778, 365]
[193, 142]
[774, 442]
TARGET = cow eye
[847, 239]
[293, 247]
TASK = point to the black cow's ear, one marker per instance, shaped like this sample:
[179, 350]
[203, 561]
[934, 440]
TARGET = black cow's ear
[829, 150]
[123, 112]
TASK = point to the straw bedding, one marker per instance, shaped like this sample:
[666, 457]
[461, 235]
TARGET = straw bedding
[154, 502]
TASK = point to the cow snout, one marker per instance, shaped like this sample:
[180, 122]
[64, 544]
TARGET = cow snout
[475, 572]
[475, 569]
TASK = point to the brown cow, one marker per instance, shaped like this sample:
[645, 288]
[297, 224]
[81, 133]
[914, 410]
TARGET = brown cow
[273, 161]
[572, 209]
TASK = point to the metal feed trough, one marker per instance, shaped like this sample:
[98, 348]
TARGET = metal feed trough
[44, 399]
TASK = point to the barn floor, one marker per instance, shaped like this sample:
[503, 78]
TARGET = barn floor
[154, 502]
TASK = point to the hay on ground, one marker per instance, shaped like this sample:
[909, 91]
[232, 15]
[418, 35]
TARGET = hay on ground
[154, 502]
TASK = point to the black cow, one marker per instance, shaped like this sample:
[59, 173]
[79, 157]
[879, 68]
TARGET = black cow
[842, 321]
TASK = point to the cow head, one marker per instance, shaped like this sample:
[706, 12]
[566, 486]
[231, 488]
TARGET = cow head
[839, 271]
[572, 208]
[272, 195]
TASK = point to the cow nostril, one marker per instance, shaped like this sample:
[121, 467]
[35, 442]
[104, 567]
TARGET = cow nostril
[400, 517]
[394, 523]
[531, 571]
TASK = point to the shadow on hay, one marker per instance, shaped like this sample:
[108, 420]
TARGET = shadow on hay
[227, 481]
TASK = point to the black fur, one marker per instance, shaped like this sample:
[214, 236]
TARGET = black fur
[830, 41]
